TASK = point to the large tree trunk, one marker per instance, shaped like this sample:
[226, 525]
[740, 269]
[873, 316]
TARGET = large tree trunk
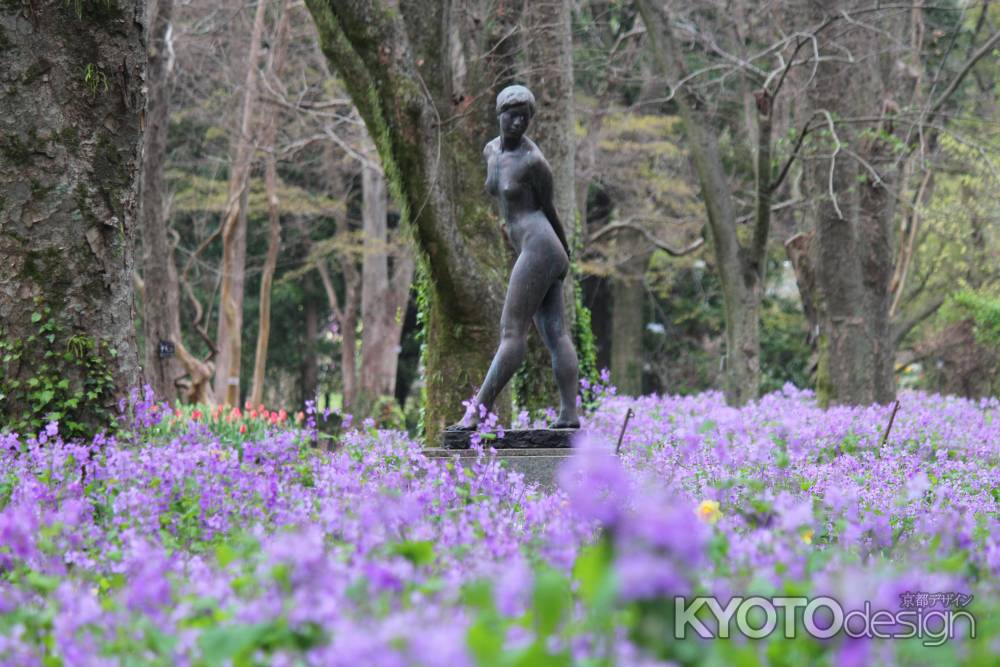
[876, 213]
[161, 297]
[234, 232]
[853, 211]
[70, 139]
[424, 78]
[383, 300]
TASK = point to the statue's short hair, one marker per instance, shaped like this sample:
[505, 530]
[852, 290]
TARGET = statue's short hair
[512, 96]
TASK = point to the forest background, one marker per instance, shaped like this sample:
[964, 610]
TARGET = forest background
[763, 193]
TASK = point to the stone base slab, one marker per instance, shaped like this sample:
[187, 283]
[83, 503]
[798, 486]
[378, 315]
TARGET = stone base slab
[535, 438]
[538, 465]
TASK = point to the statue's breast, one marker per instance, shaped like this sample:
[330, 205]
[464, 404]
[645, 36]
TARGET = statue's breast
[511, 186]
[512, 180]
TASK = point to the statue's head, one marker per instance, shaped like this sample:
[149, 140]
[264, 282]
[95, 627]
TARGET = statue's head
[515, 107]
[512, 96]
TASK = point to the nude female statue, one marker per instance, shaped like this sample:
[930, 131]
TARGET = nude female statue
[521, 180]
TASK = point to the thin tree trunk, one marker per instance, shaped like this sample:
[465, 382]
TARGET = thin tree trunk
[310, 364]
[908, 245]
[70, 149]
[349, 349]
[267, 277]
[741, 270]
[376, 345]
[627, 323]
[347, 319]
[273, 214]
[382, 300]
[229, 337]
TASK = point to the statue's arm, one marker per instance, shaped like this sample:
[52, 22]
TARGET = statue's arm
[543, 189]
[488, 152]
[490, 148]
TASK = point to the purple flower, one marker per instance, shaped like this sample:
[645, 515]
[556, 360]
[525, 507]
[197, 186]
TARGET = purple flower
[595, 482]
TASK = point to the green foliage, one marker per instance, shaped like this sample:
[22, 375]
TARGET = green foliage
[69, 382]
[586, 345]
[418, 552]
[689, 306]
[784, 350]
[422, 286]
[386, 412]
[983, 310]
[241, 645]
[595, 26]
[229, 426]
[198, 194]
[549, 617]
[95, 79]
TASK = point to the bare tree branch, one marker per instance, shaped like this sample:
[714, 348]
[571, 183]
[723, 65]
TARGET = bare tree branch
[983, 51]
[903, 326]
[833, 161]
[626, 224]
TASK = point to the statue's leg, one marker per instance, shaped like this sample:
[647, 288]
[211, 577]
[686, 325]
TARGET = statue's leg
[551, 322]
[528, 282]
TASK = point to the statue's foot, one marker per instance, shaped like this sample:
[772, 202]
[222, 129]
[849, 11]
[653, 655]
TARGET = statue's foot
[461, 426]
[567, 423]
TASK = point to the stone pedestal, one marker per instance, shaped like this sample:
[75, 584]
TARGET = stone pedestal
[539, 464]
[537, 438]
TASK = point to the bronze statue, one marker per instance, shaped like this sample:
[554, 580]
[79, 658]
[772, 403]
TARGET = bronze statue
[521, 180]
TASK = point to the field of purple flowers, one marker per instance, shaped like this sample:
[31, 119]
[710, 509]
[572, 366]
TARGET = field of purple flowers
[175, 546]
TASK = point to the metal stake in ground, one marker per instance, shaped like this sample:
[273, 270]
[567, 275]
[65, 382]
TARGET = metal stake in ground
[628, 415]
[892, 418]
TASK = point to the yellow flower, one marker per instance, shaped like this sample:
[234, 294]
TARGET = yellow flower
[708, 511]
[807, 535]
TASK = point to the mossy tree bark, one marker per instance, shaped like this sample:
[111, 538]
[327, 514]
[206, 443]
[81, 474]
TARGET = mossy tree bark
[424, 77]
[70, 139]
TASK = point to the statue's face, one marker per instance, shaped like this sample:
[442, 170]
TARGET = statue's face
[514, 121]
